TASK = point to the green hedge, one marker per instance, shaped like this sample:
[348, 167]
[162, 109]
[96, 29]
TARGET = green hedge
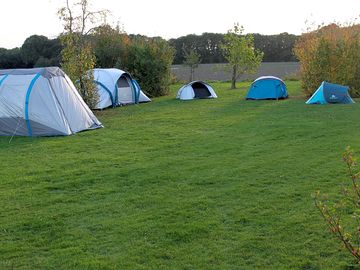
[149, 62]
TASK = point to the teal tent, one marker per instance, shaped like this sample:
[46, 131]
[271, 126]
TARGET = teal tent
[267, 87]
[330, 93]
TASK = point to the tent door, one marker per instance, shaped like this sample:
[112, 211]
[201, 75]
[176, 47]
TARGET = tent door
[200, 90]
[125, 91]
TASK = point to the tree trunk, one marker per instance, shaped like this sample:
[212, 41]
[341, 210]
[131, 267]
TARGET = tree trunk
[191, 74]
[233, 78]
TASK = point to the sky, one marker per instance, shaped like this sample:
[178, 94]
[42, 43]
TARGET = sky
[171, 19]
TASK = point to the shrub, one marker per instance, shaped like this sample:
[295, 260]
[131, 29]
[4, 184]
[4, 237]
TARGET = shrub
[343, 217]
[149, 61]
[76, 61]
[109, 45]
[330, 53]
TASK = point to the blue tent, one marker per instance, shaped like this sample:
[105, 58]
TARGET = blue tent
[330, 93]
[267, 87]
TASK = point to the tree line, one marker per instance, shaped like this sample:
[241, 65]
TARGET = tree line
[276, 48]
[36, 51]
[39, 51]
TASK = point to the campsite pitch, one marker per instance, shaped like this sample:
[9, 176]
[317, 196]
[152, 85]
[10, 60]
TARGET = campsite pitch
[205, 184]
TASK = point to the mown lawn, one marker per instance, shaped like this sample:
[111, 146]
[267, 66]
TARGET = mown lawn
[207, 184]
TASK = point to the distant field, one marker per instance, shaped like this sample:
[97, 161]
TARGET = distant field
[215, 72]
[205, 184]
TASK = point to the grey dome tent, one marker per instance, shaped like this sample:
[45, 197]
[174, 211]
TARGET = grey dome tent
[116, 87]
[196, 90]
[41, 102]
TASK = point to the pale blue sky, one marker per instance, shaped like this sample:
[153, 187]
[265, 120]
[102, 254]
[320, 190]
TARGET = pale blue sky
[168, 18]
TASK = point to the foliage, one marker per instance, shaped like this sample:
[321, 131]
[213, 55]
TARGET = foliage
[43, 62]
[149, 61]
[40, 51]
[330, 53]
[77, 60]
[206, 45]
[343, 217]
[110, 45]
[36, 51]
[215, 184]
[11, 58]
[77, 54]
[32, 49]
[192, 60]
[276, 48]
[239, 51]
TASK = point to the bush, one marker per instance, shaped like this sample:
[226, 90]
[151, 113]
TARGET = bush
[109, 45]
[11, 58]
[343, 216]
[330, 53]
[149, 61]
[77, 59]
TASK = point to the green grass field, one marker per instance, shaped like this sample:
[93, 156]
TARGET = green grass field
[206, 184]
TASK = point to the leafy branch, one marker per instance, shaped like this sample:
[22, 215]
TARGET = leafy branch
[350, 200]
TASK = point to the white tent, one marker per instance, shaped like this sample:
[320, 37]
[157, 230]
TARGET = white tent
[196, 89]
[116, 87]
[41, 102]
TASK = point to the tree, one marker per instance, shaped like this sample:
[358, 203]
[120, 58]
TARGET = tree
[77, 54]
[206, 45]
[276, 48]
[52, 52]
[11, 58]
[39, 51]
[192, 60]
[239, 51]
[33, 48]
[330, 53]
[110, 45]
[149, 61]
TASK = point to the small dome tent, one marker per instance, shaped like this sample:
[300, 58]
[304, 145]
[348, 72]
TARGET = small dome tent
[196, 90]
[267, 87]
[41, 102]
[116, 87]
[330, 93]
